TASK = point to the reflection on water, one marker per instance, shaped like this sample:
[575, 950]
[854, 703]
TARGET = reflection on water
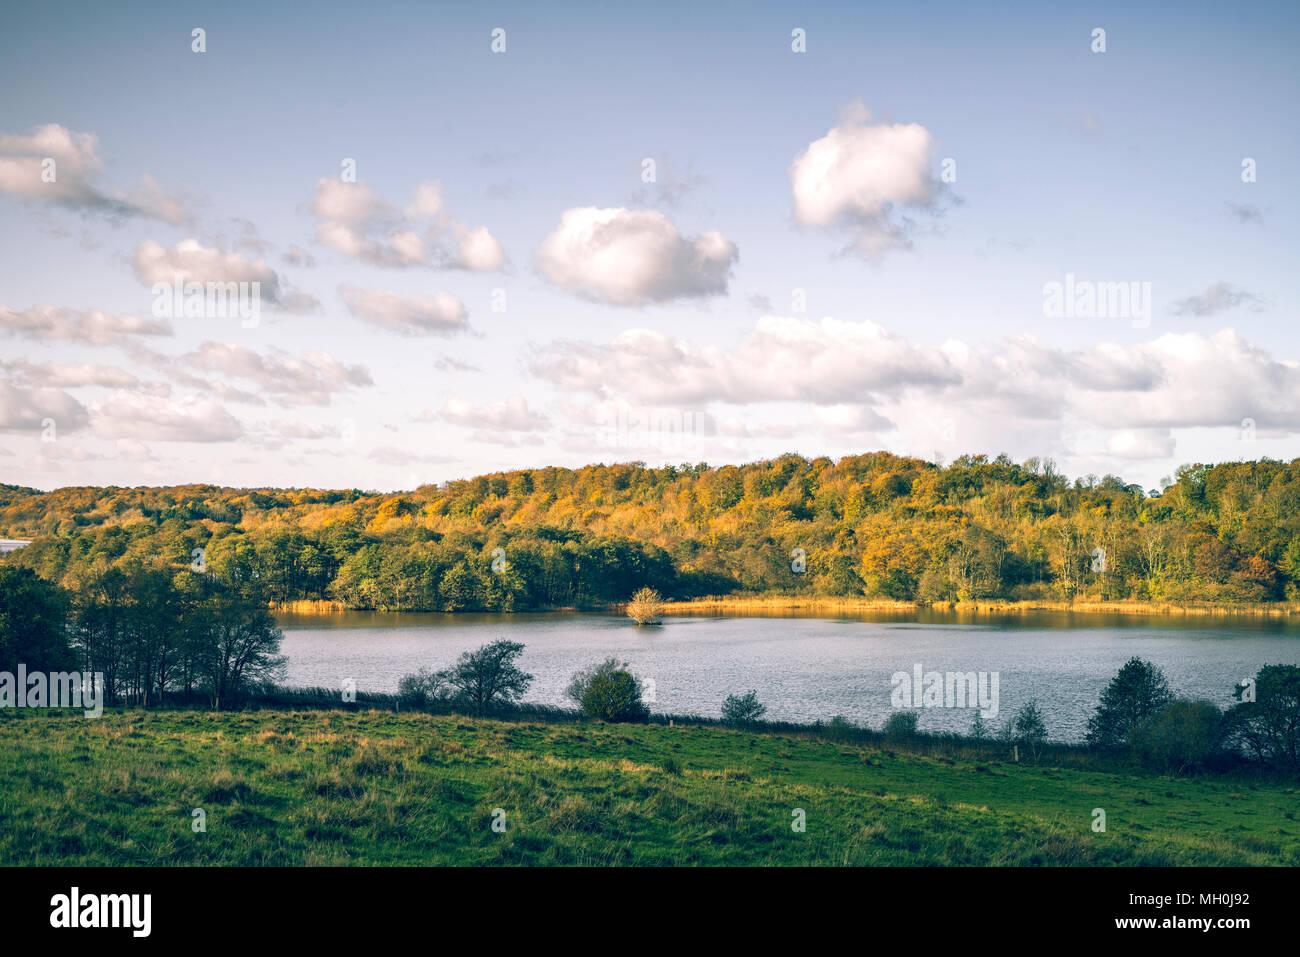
[807, 668]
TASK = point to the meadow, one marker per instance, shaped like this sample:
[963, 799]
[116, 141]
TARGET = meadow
[315, 787]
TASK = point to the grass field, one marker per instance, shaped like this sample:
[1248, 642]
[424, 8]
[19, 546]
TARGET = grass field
[330, 788]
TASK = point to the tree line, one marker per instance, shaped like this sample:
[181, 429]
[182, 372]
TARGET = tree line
[874, 525]
[149, 633]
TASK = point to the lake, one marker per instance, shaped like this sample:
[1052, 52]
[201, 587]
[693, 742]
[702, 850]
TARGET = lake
[807, 668]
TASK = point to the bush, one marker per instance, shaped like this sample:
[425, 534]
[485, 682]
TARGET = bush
[742, 710]
[1184, 735]
[423, 689]
[901, 726]
[609, 692]
[646, 607]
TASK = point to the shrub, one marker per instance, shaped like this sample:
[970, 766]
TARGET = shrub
[609, 692]
[840, 728]
[1183, 735]
[423, 689]
[743, 709]
[646, 607]
[901, 726]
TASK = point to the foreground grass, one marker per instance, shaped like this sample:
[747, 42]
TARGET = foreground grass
[321, 787]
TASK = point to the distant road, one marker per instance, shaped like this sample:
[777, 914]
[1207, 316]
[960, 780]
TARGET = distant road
[8, 545]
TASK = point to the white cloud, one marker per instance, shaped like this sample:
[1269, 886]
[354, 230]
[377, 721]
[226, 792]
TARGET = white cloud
[1018, 395]
[784, 359]
[634, 257]
[24, 410]
[1219, 297]
[477, 250]
[191, 261]
[75, 172]
[70, 374]
[509, 415]
[133, 415]
[354, 221]
[311, 378]
[439, 314]
[860, 175]
[92, 326]
[1141, 444]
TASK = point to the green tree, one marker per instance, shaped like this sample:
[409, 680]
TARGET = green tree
[236, 645]
[33, 622]
[488, 676]
[1137, 692]
[1267, 728]
[1030, 728]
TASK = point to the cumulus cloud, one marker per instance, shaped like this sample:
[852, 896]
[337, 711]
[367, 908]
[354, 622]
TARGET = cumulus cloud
[1141, 444]
[866, 178]
[90, 326]
[1220, 297]
[354, 221]
[311, 378]
[191, 261]
[133, 415]
[850, 377]
[634, 257]
[783, 359]
[23, 409]
[509, 415]
[439, 314]
[72, 179]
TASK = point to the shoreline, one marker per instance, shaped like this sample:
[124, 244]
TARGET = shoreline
[1154, 609]
[783, 605]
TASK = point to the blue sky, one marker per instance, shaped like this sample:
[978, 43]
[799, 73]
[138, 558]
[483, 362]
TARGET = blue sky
[659, 308]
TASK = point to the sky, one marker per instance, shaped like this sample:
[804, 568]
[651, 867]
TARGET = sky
[490, 236]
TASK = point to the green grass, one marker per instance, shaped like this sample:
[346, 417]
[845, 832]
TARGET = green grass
[322, 787]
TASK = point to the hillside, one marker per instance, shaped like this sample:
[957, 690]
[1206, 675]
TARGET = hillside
[874, 525]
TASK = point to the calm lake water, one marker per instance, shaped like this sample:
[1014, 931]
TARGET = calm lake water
[804, 668]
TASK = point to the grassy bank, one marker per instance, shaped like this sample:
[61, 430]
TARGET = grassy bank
[327, 787]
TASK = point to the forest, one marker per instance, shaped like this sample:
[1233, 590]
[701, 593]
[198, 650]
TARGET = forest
[874, 525]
